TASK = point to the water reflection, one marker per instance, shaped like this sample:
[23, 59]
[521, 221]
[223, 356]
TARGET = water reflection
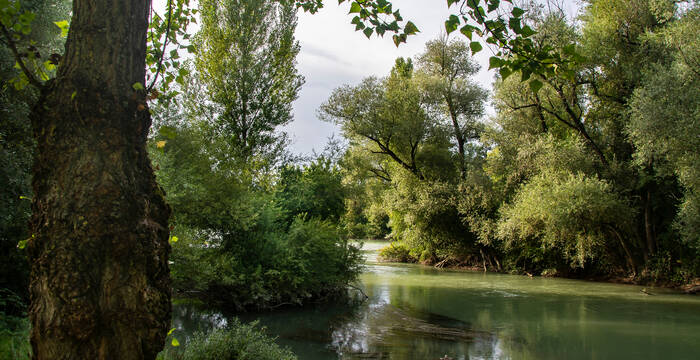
[415, 312]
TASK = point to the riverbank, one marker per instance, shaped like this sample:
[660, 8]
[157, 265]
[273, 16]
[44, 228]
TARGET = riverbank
[392, 253]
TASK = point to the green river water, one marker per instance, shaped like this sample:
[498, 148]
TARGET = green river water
[418, 312]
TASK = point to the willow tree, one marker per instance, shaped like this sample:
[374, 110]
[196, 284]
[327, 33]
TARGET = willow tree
[247, 60]
[99, 283]
[447, 68]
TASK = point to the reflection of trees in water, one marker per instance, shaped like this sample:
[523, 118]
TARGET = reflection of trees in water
[188, 319]
[383, 331]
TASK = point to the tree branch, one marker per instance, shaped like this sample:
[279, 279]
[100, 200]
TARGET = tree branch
[13, 47]
[165, 44]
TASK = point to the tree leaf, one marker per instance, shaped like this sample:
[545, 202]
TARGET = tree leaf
[535, 85]
[355, 8]
[504, 71]
[63, 25]
[451, 23]
[495, 62]
[475, 46]
[410, 28]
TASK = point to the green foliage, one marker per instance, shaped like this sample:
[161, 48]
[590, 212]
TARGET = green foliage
[14, 327]
[571, 214]
[246, 60]
[167, 34]
[16, 142]
[244, 240]
[373, 16]
[396, 252]
[308, 261]
[665, 117]
[580, 171]
[314, 190]
[238, 341]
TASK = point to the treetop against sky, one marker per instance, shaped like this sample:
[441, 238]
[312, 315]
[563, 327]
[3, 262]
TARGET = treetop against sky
[333, 53]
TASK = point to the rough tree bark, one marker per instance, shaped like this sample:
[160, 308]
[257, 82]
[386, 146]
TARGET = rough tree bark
[100, 285]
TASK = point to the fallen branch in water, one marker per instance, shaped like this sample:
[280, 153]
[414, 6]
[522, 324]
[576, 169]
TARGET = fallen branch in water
[360, 290]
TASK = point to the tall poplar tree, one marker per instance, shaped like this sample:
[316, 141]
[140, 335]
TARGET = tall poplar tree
[247, 60]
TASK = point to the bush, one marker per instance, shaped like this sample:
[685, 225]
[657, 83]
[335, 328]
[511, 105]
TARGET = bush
[396, 252]
[238, 342]
[308, 261]
[570, 217]
[14, 338]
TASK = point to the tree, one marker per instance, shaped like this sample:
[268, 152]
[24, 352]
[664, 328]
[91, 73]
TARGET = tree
[385, 116]
[447, 68]
[665, 117]
[247, 60]
[99, 283]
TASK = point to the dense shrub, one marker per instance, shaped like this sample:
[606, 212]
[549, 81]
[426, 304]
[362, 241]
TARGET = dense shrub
[309, 261]
[237, 342]
[396, 252]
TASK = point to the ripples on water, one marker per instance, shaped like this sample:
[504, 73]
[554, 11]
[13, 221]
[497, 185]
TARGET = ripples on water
[417, 312]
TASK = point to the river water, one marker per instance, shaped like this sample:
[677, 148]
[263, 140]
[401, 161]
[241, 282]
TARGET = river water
[419, 312]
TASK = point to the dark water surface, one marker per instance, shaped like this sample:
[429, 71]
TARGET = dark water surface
[417, 312]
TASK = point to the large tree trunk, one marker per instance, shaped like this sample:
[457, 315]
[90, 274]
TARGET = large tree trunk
[100, 285]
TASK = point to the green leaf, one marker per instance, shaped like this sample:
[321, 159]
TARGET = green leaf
[368, 32]
[466, 30]
[410, 28]
[21, 197]
[22, 244]
[451, 23]
[475, 46]
[63, 25]
[504, 71]
[514, 24]
[493, 5]
[174, 239]
[175, 342]
[137, 86]
[170, 332]
[517, 12]
[535, 85]
[355, 8]
[495, 62]
[527, 31]
[72, 96]
[48, 65]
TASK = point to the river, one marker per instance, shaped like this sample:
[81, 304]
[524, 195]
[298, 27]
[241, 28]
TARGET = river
[419, 312]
